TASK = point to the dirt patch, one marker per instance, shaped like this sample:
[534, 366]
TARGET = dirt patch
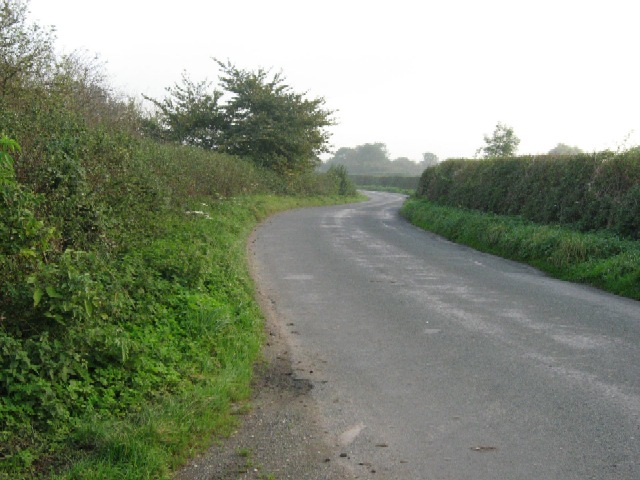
[281, 436]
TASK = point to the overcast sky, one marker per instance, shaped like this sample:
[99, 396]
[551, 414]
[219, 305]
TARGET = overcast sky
[419, 76]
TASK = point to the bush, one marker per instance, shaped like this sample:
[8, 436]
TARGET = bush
[341, 178]
[122, 279]
[25, 242]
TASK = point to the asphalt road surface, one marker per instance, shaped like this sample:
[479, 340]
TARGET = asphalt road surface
[430, 360]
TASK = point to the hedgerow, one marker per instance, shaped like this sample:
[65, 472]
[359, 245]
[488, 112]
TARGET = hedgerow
[588, 192]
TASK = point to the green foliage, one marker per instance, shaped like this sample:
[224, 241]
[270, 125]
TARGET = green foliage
[25, 241]
[341, 176]
[600, 259]
[124, 296]
[8, 146]
[190, 115]
[193, 172]
[263, 119]
[372, 155]
[586, 192]
[270, 123]
[502, 143]
[26, 51]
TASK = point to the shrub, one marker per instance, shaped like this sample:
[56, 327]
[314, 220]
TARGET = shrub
[25, 241]
[340, 176]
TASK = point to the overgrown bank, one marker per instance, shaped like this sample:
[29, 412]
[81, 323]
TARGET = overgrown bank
[127, 323]
[599, 258]
[201, 348]
[122, 357]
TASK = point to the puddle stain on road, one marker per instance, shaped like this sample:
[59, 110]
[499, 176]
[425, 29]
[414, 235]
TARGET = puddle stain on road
[348, 436]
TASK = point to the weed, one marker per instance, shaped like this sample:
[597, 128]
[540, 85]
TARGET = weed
[244, 452]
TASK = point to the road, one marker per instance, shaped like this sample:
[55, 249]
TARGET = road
[430, 360]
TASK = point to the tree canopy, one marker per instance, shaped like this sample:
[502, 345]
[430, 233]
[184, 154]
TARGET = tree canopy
[563, 149]
[190, 114]
[253, 114]
[26, 50]
[502, 143]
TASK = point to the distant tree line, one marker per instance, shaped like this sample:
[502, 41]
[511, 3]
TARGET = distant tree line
[503, 142]
[373, 159]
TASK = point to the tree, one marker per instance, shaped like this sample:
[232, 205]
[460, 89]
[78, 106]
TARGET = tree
[563, 149]
[429, 160]
[26, 51]
[268, 122]
[340, 174]
[190, 115]
[403, 165]
[373, 159]
[369, 158]
[262, 119]
[502, 143]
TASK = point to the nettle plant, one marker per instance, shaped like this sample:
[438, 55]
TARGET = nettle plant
[7, 147]
[25, 240]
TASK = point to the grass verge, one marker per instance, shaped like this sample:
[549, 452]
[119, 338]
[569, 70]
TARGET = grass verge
[207, 335]
[600, 259]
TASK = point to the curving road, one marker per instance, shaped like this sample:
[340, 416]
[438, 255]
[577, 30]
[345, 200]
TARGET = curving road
[430, 360]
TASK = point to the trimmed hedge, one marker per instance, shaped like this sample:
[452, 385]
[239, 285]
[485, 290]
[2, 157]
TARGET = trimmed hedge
[588, 192]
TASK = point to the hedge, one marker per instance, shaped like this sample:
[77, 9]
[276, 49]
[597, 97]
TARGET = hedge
[588, 192]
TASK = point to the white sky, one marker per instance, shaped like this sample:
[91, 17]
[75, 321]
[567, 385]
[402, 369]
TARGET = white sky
[417, 75]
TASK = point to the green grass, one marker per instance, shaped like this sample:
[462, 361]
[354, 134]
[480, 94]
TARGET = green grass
[600, 259]
[154, 442]
[198, 343]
